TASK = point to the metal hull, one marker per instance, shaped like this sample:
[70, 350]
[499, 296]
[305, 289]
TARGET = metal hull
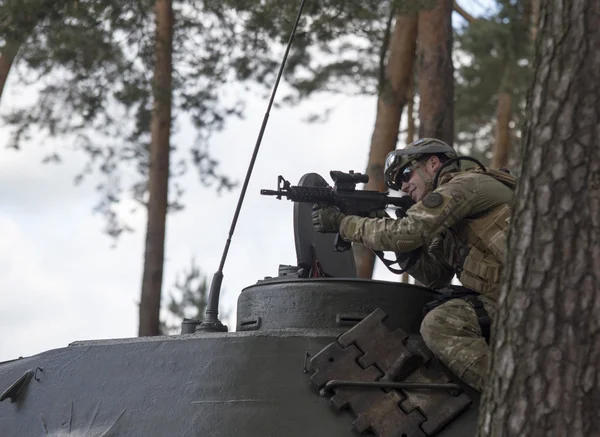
[243, 384]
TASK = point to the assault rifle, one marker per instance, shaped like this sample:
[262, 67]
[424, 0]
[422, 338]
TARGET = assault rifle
[344, 196]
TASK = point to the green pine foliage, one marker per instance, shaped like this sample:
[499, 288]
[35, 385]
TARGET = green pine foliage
[92, 64]
[339, 48]
[493, 56]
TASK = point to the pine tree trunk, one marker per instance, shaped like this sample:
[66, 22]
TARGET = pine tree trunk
[501, 149]
[545, 375]
[7, 58]
[410, 111]
[436, 82]
[392, 98]
[25, 27]
[410, 134]
[159, 172]
[535, 18]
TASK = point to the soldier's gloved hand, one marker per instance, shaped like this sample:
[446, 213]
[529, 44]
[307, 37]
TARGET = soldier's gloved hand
[326, 218]
[379, 214]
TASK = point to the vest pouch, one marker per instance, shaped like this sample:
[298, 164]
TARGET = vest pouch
[491, 231]
[480, 271]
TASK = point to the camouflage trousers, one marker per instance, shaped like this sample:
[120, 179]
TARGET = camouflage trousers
[451, 331]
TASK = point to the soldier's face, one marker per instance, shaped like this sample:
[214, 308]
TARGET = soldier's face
[416, 186]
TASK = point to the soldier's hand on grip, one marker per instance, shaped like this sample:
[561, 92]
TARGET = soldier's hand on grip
[326, 218]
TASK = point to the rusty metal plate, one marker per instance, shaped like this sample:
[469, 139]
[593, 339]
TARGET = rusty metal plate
[439, 407]
[334, 362]
[386, 419]
[379, 345]
[370, 352]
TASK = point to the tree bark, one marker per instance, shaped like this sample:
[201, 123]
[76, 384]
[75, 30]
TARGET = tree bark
[159, 172]
[535, 18]
[410, 134]
[436, 81]
[545, 371]
[501, 149]
[390, 104]
[7, 58]
[410, 111]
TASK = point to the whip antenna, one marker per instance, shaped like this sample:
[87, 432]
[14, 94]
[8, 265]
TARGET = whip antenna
[212, 322]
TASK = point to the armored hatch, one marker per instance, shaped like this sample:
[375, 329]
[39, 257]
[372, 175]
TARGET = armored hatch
[298, 337]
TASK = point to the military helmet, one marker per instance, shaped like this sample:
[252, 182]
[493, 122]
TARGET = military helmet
[398, 161]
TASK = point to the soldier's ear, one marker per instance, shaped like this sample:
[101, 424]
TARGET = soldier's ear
[434, 162]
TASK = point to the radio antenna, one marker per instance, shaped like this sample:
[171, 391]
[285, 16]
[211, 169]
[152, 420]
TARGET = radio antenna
[212, 322]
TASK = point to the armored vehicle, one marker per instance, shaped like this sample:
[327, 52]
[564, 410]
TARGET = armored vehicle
[316, 352]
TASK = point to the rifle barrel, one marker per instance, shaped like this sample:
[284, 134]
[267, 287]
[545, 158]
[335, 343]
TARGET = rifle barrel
[270, 192]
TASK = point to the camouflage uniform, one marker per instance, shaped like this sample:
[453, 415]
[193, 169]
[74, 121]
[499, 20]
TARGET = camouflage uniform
[459, 229]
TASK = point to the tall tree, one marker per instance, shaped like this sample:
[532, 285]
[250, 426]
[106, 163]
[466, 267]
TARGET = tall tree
[18, 19]
[545, 374]
[534, 18]
[94, 62]
[394, 89]
[502, 145]
[410, 135]
[492, 81]
[436, 81]
[396, 70]
[7, 57]
[518, 17]
[158, 181]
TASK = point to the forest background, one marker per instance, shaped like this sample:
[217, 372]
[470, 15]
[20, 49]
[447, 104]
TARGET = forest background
[69, 274]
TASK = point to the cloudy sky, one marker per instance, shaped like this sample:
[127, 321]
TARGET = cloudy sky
[61, 279]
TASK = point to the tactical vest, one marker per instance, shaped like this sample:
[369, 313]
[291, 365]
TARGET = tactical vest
[476, 246]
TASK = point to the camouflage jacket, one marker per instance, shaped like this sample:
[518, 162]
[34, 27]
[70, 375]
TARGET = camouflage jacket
[459, 229]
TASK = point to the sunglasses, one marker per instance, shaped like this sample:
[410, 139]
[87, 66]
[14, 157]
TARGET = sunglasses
[406, 174]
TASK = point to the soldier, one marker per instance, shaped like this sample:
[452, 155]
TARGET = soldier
[457, 228]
